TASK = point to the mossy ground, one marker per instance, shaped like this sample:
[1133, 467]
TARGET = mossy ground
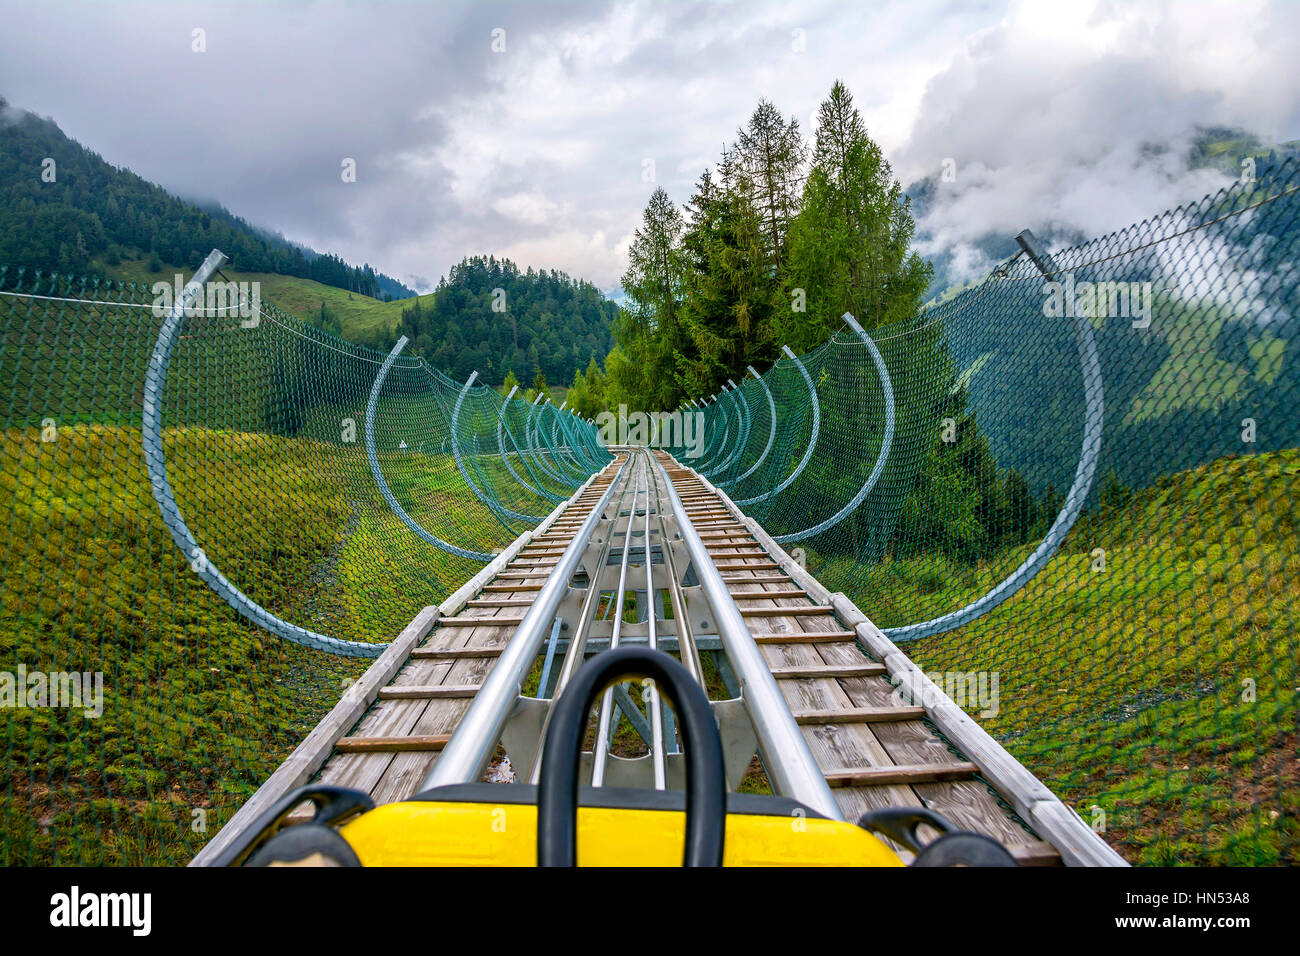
[199, 707]
[1160, 691]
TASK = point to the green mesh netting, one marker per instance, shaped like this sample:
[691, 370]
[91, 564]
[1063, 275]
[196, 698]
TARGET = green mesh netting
[1089, 510]
[264, 443]
[1144, 658]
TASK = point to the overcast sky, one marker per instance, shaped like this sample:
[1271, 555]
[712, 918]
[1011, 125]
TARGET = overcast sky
[539, 151]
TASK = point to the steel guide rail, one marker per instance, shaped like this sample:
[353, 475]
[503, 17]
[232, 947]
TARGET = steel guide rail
[500, 705]
[466, 756]
[804, 695]
[790, 764]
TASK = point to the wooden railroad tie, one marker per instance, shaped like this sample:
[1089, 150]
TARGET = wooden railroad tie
[806, 611]
[904, 774]
[859, 715]
[427, 691]
[391, 745]
[454, 653]
[806, 637]
[828, 670]
[479, 621]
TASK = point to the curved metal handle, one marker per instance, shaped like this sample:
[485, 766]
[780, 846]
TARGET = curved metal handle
[333, 806]
[902, 824]
[952, 847]
[557, 795]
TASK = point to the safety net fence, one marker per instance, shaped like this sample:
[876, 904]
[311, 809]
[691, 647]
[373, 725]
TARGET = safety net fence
[214, 516]
[1069, 492]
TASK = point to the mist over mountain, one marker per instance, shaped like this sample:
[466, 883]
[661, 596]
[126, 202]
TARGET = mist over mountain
[947, 202]
[63, 208]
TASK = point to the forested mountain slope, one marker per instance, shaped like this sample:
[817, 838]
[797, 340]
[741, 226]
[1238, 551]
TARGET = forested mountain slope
[64, 209]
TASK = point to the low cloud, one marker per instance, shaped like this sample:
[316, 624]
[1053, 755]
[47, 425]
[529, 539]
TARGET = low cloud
[1078, 120]
[532, 208]
[547, 149]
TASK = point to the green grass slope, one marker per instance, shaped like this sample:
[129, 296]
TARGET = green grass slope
[199, 707]
[1158, 696]
[364, 320]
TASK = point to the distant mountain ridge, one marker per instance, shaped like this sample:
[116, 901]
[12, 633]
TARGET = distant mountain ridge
[90, 218]
[64, 209]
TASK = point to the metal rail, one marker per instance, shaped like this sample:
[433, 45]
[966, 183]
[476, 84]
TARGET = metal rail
[688, 646]
[654, 702]
[641, 487]
[155, 462]
[789, 761]
[576, 651]
[605, 724]
[467, 754]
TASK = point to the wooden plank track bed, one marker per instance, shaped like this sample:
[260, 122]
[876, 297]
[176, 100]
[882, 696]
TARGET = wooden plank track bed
[874, 749]
[386, 732]
[836, 672]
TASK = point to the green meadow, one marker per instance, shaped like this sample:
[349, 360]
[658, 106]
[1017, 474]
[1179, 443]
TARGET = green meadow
[199, 707]
[1157, 693]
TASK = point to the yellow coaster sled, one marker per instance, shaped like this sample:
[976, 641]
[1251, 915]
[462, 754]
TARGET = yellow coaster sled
[472, 825]
[557, 823]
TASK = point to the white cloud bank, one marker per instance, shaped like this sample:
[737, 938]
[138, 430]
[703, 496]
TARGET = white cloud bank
[1051, 114]
[541, 152]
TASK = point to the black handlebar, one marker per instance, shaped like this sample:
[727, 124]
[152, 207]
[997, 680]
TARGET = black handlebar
[557, 797]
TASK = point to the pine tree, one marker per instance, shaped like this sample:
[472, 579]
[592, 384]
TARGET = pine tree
[653, 274]
[733, 288]
[850, 244]
[648, 327]
[770, 154]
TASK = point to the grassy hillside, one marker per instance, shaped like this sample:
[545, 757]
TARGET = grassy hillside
[1122, 689]
[1224, 149]
[199, 707]
[1162, 690]
[365, 320]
